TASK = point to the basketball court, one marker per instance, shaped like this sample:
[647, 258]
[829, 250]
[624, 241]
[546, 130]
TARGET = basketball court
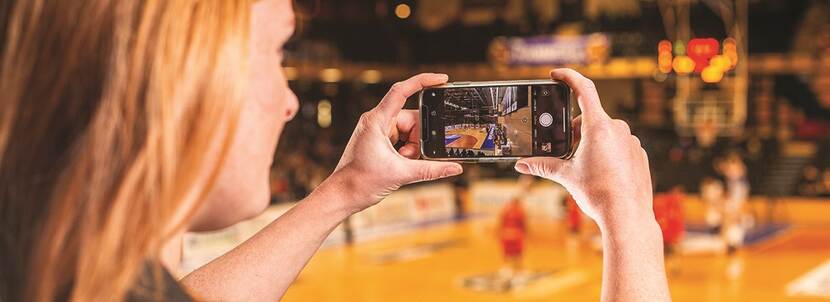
[469, 138]
[410, 248]
[761, 272]
[495, 120]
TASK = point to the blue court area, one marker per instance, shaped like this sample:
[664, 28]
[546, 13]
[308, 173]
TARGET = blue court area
[451, 138]
[755, 235]
[489, 142]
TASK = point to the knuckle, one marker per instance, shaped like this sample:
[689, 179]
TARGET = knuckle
[537, 169]
[364, 117]
[365, 120]
[541, 169]
[396, 88]
[428, 173]
[608, 127]
[637, 143]
[622, 125]
[588, 84]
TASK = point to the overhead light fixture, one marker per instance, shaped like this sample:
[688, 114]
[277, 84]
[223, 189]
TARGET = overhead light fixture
[291, 73]
[331, 75]
[403, 11]
[711, 74]
[683, 65]
[371, 76]
[324, 113]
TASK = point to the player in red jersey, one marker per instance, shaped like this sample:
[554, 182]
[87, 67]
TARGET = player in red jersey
[512, 231]
[668, 211]
[574, 215]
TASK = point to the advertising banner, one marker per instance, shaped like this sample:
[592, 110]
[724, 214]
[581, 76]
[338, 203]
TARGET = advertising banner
[550, 50]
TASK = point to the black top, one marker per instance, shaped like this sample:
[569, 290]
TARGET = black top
[147, 288]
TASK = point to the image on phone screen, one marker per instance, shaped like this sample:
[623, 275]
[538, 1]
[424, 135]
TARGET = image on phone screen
[487, 121]
[497, 121]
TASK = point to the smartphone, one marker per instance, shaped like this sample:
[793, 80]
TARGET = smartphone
[496, 121]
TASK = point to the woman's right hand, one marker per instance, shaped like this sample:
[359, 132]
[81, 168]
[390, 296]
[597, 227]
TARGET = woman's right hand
[371, 168]
[609, 173]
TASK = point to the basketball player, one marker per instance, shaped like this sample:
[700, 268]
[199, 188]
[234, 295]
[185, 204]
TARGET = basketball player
[711, 192]
[573, 220]
[512, 231]
[737, 189]
[668, 210]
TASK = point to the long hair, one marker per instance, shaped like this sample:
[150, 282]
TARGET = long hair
[115, 118]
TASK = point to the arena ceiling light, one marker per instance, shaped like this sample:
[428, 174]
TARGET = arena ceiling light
[291, 73]
[402, 11]
[371, 76]
[331, 75]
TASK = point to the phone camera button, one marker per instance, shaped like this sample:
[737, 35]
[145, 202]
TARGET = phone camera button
[546, 119]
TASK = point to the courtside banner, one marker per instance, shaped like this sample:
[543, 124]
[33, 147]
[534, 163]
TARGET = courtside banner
[550, 50]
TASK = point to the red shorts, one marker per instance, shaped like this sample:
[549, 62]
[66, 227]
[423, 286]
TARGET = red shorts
[512, 248]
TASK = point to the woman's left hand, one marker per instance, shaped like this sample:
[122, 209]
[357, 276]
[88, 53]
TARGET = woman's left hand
[370, 167]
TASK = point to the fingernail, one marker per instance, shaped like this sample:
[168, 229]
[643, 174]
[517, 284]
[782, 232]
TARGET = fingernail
[453, 170]
[522, 168]
[444, 76]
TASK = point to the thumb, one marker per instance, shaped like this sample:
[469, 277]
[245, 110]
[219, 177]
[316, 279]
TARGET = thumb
[546, 167]
[425, 170]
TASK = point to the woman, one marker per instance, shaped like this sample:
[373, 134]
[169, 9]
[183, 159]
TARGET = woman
[124, 124]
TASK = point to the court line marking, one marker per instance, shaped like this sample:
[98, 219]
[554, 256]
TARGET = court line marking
[777, 240]
[815, 283]
[552, 284]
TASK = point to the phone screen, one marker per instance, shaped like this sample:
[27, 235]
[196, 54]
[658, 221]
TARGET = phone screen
[496, 121]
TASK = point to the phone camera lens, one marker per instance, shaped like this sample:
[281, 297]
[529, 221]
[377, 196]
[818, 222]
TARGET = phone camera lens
[545, 92]
[433, 113]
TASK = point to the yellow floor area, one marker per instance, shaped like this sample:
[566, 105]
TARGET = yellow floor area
[756, 273]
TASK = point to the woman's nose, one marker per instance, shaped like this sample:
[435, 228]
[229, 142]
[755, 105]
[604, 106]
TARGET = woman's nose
[292, 105]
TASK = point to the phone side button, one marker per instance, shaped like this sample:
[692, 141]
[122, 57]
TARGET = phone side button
[424, 123]
[564, 116]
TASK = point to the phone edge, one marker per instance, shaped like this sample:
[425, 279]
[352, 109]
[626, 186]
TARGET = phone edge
[568, 155]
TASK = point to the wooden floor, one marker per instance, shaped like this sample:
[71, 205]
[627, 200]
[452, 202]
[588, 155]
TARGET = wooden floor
[359, 273]
[471, 138]
[518, 126]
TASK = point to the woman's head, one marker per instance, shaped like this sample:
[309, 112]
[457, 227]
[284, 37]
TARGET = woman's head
[116, 120]
[242, 189]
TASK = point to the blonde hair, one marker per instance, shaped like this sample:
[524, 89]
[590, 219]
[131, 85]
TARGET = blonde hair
[115, 117]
